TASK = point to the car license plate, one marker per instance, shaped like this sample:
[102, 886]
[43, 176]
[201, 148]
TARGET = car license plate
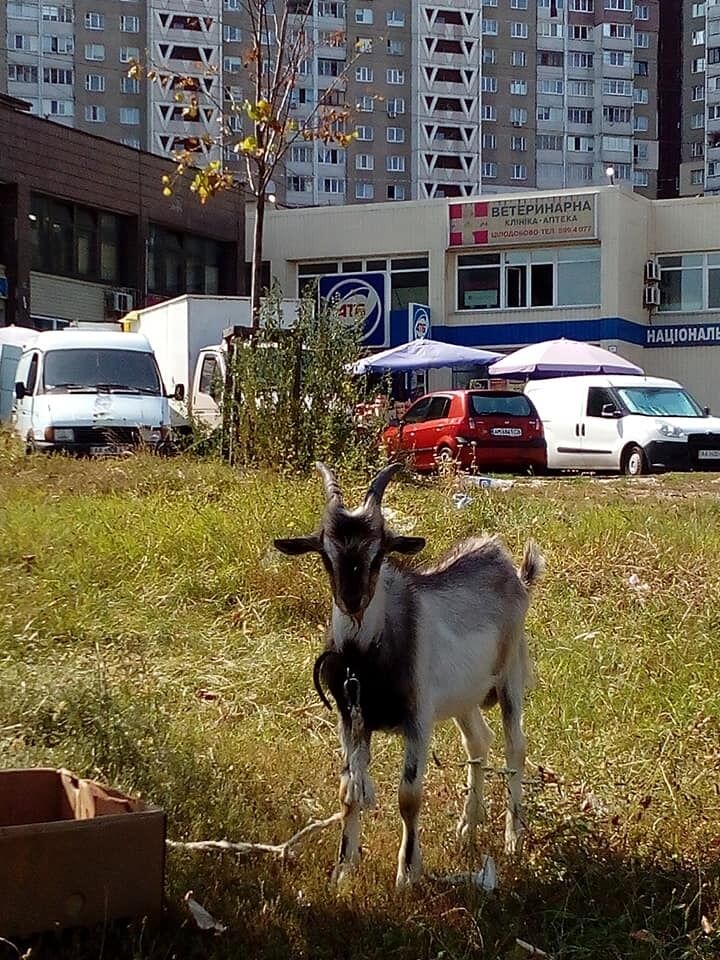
[506, 432]
[112, 450]
[708, 454]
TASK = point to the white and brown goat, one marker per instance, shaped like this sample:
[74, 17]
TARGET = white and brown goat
[409, 648]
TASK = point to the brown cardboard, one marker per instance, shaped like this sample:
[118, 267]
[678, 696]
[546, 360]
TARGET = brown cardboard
[73, 853]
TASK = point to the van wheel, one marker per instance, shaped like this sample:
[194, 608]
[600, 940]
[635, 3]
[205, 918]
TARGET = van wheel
[634, 462]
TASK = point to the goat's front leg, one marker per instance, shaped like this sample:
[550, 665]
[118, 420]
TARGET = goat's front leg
[356, 793]
[410, 799]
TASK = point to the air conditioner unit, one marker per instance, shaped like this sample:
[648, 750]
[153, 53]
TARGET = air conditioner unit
[651, 296]
[652, 271]
[122, 302]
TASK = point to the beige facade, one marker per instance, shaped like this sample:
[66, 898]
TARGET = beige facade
[597, 286]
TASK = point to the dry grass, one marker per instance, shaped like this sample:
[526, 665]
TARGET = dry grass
[150, 638]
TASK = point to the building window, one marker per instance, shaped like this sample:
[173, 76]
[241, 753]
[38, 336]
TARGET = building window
[519, 172]
[396, 191]
[332, 185]
[297, 184]
[550, 58]
[642, 11]
[690, 282]
[697, 148]
[22, 73]
[394, 76]
[549, 141]
[133, 142]
[231, 34]
[365, 104]
[74, 241]
[641, 178]
[518, 58]
[396, 48]
[94, 21]
[489, 170]
[552, 87]
[618, 4]
[364, 191]
[489, 141]
[129, 85]
[697, 177]
[642, 39]
[364, 133]
[130, 24]
[580, 31]
[58, 108]
[363, 15]
[130, 116]
[395, 135]
[568, 276]
[583, 61]
[713, 55]
[183, 263]
[127, 54]
[518, 30]
[617, 88]
[395, 164]
[518, 87]
[618, 31]
[300, 154]
[53, 13]
[518, 116]
[364, 161]
[518, 143]
[95, 82]
[582, 6]
[641, 124]
[697, 121]
[614, 58]
[232, 64]
[396, 107]
[641, 95]
[94, 51]
[395, 18]
[581, 88]
[489, 28]
[489, 84]
[579, 115]
[581, 144]
[57, 75]
[489, 55]
[698, 10]
[94, 113]
[364, 74]
[548, 28]
[330, 155]
[518, 4]
[488, 112]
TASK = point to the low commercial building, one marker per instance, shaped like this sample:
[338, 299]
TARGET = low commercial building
[86, 234]
[638, 276]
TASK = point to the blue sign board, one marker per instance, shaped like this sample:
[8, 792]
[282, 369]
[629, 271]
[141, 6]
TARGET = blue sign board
[418, 321]
[683, 335]
[361, 297]
[3, 288]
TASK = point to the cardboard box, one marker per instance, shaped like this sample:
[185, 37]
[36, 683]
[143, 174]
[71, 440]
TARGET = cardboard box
[74, 853]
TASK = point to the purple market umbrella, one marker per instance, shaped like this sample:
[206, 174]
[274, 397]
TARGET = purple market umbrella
[553, 358]
[423, 354]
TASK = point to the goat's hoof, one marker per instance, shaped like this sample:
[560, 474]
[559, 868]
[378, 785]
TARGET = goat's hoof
[407, 878]
[513, 843]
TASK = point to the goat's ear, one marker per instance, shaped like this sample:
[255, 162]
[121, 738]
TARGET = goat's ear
[294, 546]
[398, 544]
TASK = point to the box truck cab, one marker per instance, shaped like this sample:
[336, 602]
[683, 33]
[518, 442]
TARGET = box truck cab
[625, 424]
[87, 392]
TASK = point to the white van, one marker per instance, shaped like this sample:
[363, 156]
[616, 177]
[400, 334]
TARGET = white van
[88, 392]
[624, 423]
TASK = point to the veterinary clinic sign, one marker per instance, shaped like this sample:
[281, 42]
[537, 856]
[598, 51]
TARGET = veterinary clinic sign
[526, 220]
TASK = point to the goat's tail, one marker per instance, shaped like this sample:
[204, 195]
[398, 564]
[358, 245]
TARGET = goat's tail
[532, 566]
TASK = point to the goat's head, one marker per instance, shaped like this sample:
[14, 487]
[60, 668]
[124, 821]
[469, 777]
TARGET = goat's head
[353, 543]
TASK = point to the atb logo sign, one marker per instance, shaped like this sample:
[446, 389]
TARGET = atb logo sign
[360, 298]
[418, 321]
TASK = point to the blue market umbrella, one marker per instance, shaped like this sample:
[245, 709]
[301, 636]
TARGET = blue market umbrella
[423, 354]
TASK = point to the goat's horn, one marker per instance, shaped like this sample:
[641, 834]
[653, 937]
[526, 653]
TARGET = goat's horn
[375, 493]
[332, 487]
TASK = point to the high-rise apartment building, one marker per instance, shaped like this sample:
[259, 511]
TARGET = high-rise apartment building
[449, 97]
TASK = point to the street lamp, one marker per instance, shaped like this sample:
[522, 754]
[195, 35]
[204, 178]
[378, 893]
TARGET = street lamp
[610, 174]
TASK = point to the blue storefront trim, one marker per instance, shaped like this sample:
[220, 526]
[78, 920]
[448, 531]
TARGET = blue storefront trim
[520, 334]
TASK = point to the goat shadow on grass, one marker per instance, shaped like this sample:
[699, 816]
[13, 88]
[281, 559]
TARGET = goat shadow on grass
[578, 899]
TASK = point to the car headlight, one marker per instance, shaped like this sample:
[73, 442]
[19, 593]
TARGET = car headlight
[670, 430]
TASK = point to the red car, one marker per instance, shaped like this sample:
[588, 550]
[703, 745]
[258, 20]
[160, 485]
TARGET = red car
[477, 429]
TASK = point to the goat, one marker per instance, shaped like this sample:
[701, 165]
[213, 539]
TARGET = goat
[409, 648]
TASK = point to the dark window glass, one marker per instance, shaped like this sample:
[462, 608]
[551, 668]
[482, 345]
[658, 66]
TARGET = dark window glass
[377, 264]
[542, 285]
[438, 408]
[516, 286]
[210, 381]
[32, 375]
[500, 404]
[182, 263]
[410, 287]
[132, 371]
[316, 269]
[479, 289]
[597, 398]
[417, 411]
[352, 266]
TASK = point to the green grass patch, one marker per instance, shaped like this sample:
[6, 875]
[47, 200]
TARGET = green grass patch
[151, 638]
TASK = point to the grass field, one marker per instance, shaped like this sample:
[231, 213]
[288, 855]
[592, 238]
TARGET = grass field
[149, 637]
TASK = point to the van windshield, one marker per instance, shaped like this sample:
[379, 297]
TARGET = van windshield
[93, 370]
[659, 401]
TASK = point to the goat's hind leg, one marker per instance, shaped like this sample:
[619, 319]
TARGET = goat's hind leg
[477, 738]
[510, 698]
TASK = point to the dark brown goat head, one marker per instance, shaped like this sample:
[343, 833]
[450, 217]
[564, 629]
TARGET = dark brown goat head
[353, 543]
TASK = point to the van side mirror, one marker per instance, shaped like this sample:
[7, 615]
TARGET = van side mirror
[706, 411]
[20, 390]
[179, 393]
[610, 410]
